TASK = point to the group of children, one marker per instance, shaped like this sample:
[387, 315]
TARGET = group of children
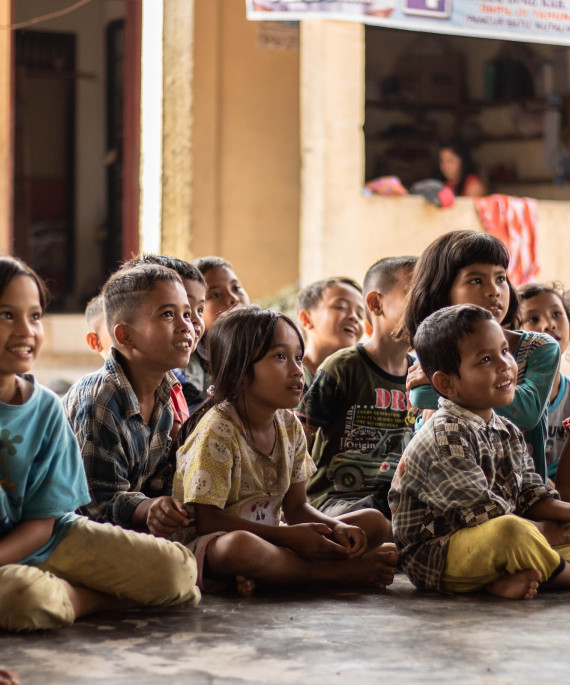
[217, 445]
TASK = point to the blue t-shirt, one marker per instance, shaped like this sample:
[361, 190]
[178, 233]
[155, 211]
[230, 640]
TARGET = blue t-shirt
[41, 470]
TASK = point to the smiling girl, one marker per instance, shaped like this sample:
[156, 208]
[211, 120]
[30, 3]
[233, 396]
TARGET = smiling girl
[468, 267]
[56, 566]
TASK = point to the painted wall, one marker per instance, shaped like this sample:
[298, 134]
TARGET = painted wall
[246, 149]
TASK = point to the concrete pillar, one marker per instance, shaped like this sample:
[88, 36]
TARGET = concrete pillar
[177, 168]
[332, 144]
[5, 127]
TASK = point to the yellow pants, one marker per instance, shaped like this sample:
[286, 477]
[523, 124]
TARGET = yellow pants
[101, 557]
[479, 555]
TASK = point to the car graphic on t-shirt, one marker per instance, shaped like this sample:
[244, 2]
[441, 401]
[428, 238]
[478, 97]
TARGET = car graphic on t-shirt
[355, 470]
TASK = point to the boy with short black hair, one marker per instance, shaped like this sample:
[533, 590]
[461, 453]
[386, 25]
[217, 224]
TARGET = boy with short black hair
[195, 287]
[331, 314]
[357, 403]
[468, 510]
[121, 414]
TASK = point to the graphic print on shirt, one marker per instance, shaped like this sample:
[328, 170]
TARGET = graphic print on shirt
[372, 443]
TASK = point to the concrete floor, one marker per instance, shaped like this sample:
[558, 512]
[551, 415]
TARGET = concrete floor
[302, 636]
[308, 636]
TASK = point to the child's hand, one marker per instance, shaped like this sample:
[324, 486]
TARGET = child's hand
[352, 538]
[165, 516]
[415, 377]
[311, 541]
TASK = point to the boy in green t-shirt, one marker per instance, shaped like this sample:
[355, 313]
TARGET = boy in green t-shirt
[356, 408]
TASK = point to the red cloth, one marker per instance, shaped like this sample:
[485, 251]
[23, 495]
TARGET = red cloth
[513, 220]
[178, 404]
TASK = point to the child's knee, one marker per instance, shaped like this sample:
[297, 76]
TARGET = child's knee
[377, 527]
[240, 547]
[512, 529]
[32, 599]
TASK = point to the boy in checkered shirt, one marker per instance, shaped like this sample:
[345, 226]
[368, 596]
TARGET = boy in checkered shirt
[468, 510]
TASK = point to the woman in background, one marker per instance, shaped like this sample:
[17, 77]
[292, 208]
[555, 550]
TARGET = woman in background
[457, 171]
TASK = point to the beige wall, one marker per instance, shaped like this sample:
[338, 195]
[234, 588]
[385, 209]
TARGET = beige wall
[342, 231]
[246, 149]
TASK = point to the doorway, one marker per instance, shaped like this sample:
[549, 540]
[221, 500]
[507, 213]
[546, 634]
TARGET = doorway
[44, 166]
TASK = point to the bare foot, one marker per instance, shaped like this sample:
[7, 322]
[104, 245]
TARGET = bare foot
[245, 586]
[521, 585]
[377, 568]
[8, 678]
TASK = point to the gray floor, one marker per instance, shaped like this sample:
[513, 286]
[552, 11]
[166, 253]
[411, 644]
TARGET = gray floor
[308, 636]
[304, 636]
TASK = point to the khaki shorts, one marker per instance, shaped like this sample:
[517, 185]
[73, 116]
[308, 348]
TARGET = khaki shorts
[102, 557]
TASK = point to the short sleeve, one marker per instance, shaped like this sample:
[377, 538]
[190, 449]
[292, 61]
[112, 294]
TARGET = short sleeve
[322, 401]
[207, 461]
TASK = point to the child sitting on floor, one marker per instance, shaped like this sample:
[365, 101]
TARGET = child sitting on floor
[122, 414]
[542, 308]
[195, 289]
[56, 566]
[357, 407]
[247, 460]
[468, 510]
[331, 314]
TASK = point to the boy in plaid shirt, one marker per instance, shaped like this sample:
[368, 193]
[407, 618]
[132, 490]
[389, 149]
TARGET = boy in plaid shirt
[468, 510]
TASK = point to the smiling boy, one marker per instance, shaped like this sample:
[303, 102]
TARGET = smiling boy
[468, 510]
[331, 314]
[121, 414]
[356, 406]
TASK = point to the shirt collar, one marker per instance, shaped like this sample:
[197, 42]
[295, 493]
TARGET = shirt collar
[115, 369]
[494, 422]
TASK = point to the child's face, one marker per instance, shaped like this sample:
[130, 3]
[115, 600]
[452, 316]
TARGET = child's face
[21, 328]
[162, 335]
[544, 313]
[338, 319]
[223, 292]
[196, 297]
[484, 285]
[487, 373]
[278, 377]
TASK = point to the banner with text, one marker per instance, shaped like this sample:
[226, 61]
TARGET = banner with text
[534, 21]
